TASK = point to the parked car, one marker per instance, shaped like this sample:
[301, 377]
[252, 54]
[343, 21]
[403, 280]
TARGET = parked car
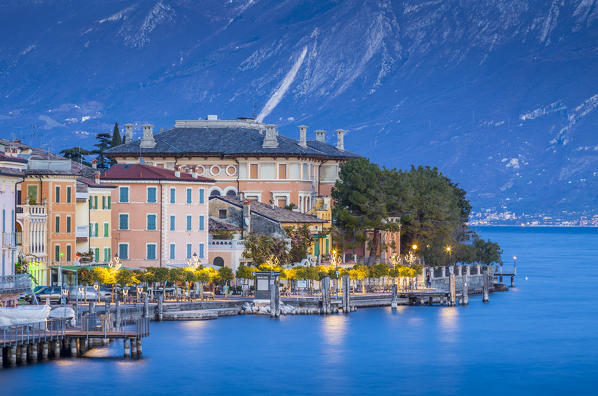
[75, 294]
[52, 292]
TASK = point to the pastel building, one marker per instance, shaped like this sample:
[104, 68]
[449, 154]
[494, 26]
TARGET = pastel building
[244, 157]
[159, 217]
[95, 226]
[11, 173]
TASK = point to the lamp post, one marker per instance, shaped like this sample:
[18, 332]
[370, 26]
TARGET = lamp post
[194, 263]
[449, 250]
[96, 287]
[114, 265]
[125, 293]
[514, 265]
[335, 260]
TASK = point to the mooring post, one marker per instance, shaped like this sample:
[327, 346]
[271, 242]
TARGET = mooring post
[92, 308]
[139, 347]
[486, 286]
[57, 348]
[393, 303]
[325, 286]
[145, 305]
[23, 354]
[160, 306]
[512, 280]
[118, 316]
[133, 348]
[465, 297]
[452, 291]
[346, 294]
[73, 347]
[12, 356]
[1, 357]
[34, 352]
[274, 300]
[126, 348]
[44, 351]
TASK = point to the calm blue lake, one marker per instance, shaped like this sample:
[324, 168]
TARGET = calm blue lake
[539, 338]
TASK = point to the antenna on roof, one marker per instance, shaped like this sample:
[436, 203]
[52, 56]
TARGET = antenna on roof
[253, 107]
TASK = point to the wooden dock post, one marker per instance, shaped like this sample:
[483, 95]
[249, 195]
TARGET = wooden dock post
[274, 300]
[346, 294]
[34, 352]
[133, 348]
[161, 306]
[145, 305]
[325, 286]
[57, 348]
[465, 296]
[430, 300]
[12, 356]
[44, 351]
[127, 348]
[23, 354]
[486, 286]
[393, 303]
[452, 291]
[118, 316]
[73, 347]
[139, 347]
[512, 280]
[1, 357]
[92, 308]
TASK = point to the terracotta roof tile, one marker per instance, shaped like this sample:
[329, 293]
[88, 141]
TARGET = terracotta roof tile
[147, 172]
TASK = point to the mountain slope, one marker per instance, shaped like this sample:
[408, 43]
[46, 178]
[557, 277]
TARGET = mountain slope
[501, 95]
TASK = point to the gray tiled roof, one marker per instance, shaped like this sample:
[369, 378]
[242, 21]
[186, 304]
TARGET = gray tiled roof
[226, 141]
[275, 213]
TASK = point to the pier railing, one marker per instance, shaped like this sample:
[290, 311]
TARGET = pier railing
[19, 283]
[49, 330]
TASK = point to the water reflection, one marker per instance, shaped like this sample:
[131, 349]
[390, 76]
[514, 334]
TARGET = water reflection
[334, 328]
[195, 330]
[449, 323]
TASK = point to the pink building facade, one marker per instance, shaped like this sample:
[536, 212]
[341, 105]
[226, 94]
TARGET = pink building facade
[159, 216]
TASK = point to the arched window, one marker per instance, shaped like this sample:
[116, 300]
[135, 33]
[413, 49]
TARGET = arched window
[215, 193]
[231, 194]
[218, 261]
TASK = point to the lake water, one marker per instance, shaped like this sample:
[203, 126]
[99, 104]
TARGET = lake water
[539, 338]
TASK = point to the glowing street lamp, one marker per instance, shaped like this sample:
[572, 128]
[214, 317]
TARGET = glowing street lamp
[194, 262]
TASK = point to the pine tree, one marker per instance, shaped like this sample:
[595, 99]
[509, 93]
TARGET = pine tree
[116, 140]
[76, 154]
[104, 140]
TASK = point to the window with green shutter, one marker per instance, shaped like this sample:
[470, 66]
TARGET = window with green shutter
[96, 255]
[109, 203]
[68, 224]
[123, 223]
[68, 252]
[151, 251]
[151, 194]
[103, 202]
[151, 222]
[106, 229]
[124, 194]
[95, 202]
[96, 232]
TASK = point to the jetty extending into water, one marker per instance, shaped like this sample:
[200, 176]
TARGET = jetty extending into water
[98, 324]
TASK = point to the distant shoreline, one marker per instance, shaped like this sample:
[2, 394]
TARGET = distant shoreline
[532, 226]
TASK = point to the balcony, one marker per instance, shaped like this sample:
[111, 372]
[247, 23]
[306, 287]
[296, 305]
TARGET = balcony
[82, 232]
[221, 244]
[31, 211]
[8, 239]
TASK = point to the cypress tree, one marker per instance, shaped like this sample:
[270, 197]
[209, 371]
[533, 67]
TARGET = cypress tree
[116, 140]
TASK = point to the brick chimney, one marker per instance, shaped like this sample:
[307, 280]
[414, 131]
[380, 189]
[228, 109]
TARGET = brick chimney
[303, 135]
[270, 138]
[340, 139]
[128, 133]
[321, 135]
[147, 140]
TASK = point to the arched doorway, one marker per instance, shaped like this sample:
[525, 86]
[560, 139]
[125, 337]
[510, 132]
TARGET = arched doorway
[218, 262]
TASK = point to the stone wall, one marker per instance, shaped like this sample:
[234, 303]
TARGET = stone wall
[439, 277]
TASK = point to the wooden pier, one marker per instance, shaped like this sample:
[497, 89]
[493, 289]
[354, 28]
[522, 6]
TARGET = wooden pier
[56, 338]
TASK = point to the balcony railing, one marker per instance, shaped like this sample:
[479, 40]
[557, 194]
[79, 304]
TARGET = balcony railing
[226, 244]
[82, 232]
[15, 283]
[31, 210]
[8, 239]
